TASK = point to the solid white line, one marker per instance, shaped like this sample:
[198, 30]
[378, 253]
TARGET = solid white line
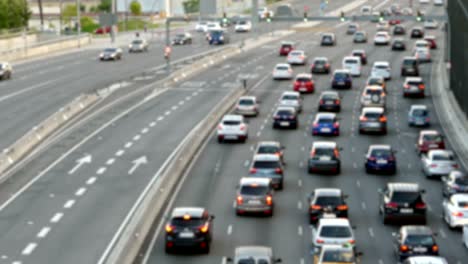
[110, 161]
[43, 233]
[91, 181]
[8, 96]
[144, 130]
[152, 124]
[167, 113]
[229, 230]
[101, 170]
[69, 204]
[301, 164]
[371, 232]
[299, 230]
[128, 144]
[223, 260]
[120, 152]
[80, 191]
[29, 249]
[56, 218]
[258, 134]
[354, 165]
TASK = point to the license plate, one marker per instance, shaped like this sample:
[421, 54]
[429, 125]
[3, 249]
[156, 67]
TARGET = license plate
[414, 88]
[254, 202]
[230, 137]
[187, 235]
[409, 70]
[420, 249]
[374, 125]
[329, 216]
[284, 123]
[433, 146]
[324, 158]
[419, 122]
[382, 162]
[329, 103]
[325, 130]
[406, 210]
[341, 83]
[303, 89]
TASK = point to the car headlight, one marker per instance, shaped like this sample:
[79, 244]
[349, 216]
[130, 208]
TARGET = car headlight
[130, 46]
[101, 55]
[221, 38]
[112, 55]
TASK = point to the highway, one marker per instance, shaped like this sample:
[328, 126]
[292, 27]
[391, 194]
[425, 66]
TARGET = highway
[211, 183]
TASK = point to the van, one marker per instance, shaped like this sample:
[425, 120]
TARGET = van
[353, 64]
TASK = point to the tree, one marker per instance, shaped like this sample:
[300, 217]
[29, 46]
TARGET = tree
[68, 13]
[105, 6]
[135, 8]
[191, 6]
[14, 14]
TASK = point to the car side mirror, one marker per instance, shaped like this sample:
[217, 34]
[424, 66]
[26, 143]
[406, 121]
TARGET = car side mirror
[423, 191]
[359, 254]
[228, 259]
[278, 260]
[212, 217]
[380, 190]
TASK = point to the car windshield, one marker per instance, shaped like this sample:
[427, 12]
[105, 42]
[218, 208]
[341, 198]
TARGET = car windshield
[109, 50]
[335, 231]
[284, 113]
[242, 22]
[266, 164]
[421, 45]
[328, 201]
[180, 36]
[246, 102]
[319, 62]
[414, 83]
[432, 138]
[442, 157]
[326, 120]
[268, 150]
[137, 42]
[252, 261]
[420, 112]
[461, 181]
[326, 38]
[341, 75]
[338, 256]
[359, 34]
[406, 197]
[231, 122]
[419, 240]
[383, 153]
[193, 222]
[324, 152]
[253, 190]
[358, 54]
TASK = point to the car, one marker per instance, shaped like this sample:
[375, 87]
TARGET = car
[352, 28]
[414, 86]
[268, 166]
[421, 43]
[332, 231]
[243, 26]
[398, 44]
[182, 39]
[341, 79]
[425, 260]
[382, 68]
[414, 240]
[201, 26]
[431, 40]
[402, 201]
[395, 9]
[353, 65]
[424, 1]
[282, 71]
[326, 124]
[247, 106]
[285, 117]
[380, 158]
[418, 116]
[101, 30]
[304, 83]
[366, 10]
[377, 81]
[337, 254]
[438, 2]
[407, 11]
[438, 162]
[383, 26]
[382, 38]
[286, 47]
[393, 22]
[189, 227]
[465, 235]
[417, 33]
[232, 127]
[218, 37]
[373, 96]
[291, 99]
[224, 22]
[423, 54]
[399, 30]
[455, 182]
[138, 45]
[328, 39]
[428, 140]
[213, 26]
[326, 201]
[409, 66]
[375, 17]
[249, 255]
[329, 101]
[373, 120]
[270, 147]
[324, 158]
[360, 37]
[5, 70]
[320, 65]
[111, 54]
[430, 24]
[297, 57]
[361, 54]
[254, 195]
[455, 210]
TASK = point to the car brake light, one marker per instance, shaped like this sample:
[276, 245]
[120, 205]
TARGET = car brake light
[269, 200]
[383, 119]
[253, 170]
[372, 158]
[320, 241]
[391, 205]
[242, 127]
[403, 248]
[455, 166]
[336, 152]
[315, 207]
[420, 206]
[312, 153]
[391, 158]
[352, 241]
[407, 86]
[316, 125]
[169, 228]
[239, 200]
[433, 165]
[220, 127]
[363, 118]
[421, 86]
[337, 101]
[435, 248]
[278, 170]
[327, 65]
[322, 102]
[428, 119]
[342, 207]
[204, 228]
[336, 125]
[276, 117]
[457, 214]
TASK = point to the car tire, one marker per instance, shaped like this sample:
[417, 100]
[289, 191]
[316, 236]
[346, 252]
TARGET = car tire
[368, 171]
[338, 171]
[238, 213]
[385, 220]
[168, 250]
[206, 250]
[220, 140]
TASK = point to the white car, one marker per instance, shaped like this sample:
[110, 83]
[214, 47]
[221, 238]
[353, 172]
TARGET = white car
[282, 71]
[291, 99]
[438, 2]
[373, 96]
[243, 26]
[383, 26]
[366, 10]
[201, 26]
[438, 162]
[423, 54]
[421, 44]
[210, 26]
[263, 11]
[247, 106]
[353, 64]
[381, 69]
[232, 127]
[455, 210]
[332, 231]
[425, 260]
[5, 70]
[424, 1]
[430, 24]
[382, 38]
[297, 57]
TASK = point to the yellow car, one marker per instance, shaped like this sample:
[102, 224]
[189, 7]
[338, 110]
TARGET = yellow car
[337, 254]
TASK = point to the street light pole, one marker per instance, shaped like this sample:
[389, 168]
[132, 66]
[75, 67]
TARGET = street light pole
[112, 31]
[60, 16]
[78, 20]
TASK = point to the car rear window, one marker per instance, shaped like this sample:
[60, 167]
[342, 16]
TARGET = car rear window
[320, 62]
[324, 152]
[295, 53]
[231, 122]
[254, 190]
[358, 54]
[381, 67]
[283, 68]
[193, 222]
[303, 79]
[372, 115]
[352, 26]
[462, 181]
[268, 150]
[327, 38]
[252, 261]
[286, 46]
[264, 164]
[442, 157]
[435, 138]
[406, 197]
[409, 62]
[375, 81]
[328, 200]
[329, 97]
[381, 153]
[341, 75]
[246, 102]
[335, 231]
[351, 61]
[326, 120]
[137, 42]
[419, 112]
[422, 45]
[415, 82]
[110, 50]
[284, 113]
[416, 240]
[338, 256]
[289, 97]
[373, 91]
[242, 22]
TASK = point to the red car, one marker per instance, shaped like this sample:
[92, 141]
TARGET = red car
[286, 47]
[429, 139]
[394, 22]
[304, 83]
[432, 41]
[103, 30]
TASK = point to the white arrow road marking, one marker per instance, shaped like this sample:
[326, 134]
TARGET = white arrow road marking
[136, 163]
[80, 162]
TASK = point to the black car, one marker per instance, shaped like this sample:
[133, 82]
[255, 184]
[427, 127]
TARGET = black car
[399, 30]
[455, 182]
[415, 241]
[417, 32]
[402, 201]
[325, 201]
[361, 54]
[285, 117]
[182, 39]
[410, 66]
[342, 79]
[329, 101]
[189, 228]
[328, 39]
[320, 65]
[398, 44]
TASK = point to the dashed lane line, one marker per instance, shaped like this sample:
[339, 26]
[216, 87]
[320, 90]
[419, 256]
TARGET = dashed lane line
[80, 191]
[56, 218]
[69, 204]
[44, 231]
[91, 181]
[120, 152]
[101, 170]
[29, 249]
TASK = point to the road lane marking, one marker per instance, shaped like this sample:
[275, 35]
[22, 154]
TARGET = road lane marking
[354, 165]
[160, 118]
[80, 191]
[29, 249]
[30, 223]
[120, 152]
[429, 208]
[174, 107]
[409, 166]
[101, 170]
[299, 183]
[110, 161]
[137, 137]
[381, 261]
[371, 232]
[258, 134]
[181, 102]
[17, 262]
[4, 257]
[299, 205]
[8, 96]
[128, 144]
[358, 183]
[229, 230]
[69, 204]
[56, 218]
[91, 181]
[302, 261]
[152, 124]
[301, 164]
[51, 195]
[246, 163]
[363, 205]
[299, 230]
[43, 233]
[234, 204]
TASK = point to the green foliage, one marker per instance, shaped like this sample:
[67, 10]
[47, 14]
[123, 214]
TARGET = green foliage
[14, 14]
[136, 24]
[191, 6]
[105, 6]
[69, 12]
[135, 8]
[88, 24]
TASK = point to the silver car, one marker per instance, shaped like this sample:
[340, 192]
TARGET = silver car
[138, 45]
[455, 210]
[232, 127]
[282, 71]
[255, 195]
[253, 255]
[373, 96]
[247, 106]
[373, 119]
[438, 162]
[291, 99]
[111, 54]
[297, 57]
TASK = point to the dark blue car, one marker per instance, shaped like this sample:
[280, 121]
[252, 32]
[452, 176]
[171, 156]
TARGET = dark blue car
[380, 158]
[218, 37]
[326, 124]
[342, 79]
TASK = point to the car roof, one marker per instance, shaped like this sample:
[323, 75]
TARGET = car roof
[429, 132]
[334, 222]
[327, 192]
[304, 75]
[409, 58]
[324, 144]
[282, 65]
[337, 247]
[232, 117]
[380, 146]
[352, 58]
[328, 34]
[320, 58]
[269, 143]
[427, 260]
[374, 87]
[192, 211]
[325, 115]
[384, 63]
[379, 110]
[358, 51]
[253, 251]
[287, 43]
[287, 108]
[298, 51]
[416, 230]
[421, 41]
[403, 186]
[341, 71]
[290, 93]
[422, 107]
[413, 79]
[253, 180]
[460, 197]
[265, 157]
[329, 93]
[247, 97]
[442, 152]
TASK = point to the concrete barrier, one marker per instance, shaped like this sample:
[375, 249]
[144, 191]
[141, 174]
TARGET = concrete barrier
[19, 40]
